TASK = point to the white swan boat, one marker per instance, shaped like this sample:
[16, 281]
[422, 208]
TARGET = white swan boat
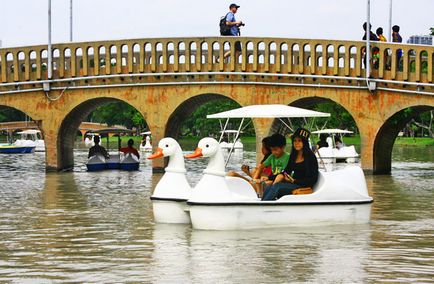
[147, 147]
[31, 138]
[332, 153]
[221, 203]
[173, 190]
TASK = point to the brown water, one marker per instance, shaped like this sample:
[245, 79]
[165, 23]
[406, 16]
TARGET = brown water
[98, 227]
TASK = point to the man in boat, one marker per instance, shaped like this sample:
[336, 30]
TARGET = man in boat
[97, 149]
[277, 160]
[322, 143]
[130, 149]
[301, 171]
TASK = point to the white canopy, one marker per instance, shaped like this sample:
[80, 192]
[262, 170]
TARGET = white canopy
[332, 131]
[146, 133]
[231, 131]
[268, 111]
[30, 131]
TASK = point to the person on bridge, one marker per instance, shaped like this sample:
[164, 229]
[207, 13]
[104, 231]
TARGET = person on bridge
[97, 149]
[130, 149]
[301, 171]
[372, 37]
[234, 29]
[380, 35]
[396, 37]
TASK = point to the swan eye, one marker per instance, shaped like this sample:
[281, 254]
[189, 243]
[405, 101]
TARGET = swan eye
[207, 145]
[167, 146]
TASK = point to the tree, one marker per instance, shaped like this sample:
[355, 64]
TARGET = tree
[11, 114]
[432, 31]
[118, 113]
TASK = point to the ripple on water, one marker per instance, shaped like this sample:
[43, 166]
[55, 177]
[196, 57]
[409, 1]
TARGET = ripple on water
[98, 227]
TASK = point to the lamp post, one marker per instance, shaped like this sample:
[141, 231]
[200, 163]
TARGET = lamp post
[368, 40]
[390, 20]
[50, 53]
[70, 20]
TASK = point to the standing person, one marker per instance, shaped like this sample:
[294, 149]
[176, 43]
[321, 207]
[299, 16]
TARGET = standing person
[301, 171]
[372, 37]
[396, 37]
[234, 28]
[380, 35]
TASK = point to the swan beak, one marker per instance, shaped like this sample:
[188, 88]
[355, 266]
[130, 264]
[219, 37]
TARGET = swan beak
[197, 153]
[157, 154]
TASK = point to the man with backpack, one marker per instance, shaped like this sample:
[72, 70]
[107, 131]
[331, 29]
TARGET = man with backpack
[231, 27]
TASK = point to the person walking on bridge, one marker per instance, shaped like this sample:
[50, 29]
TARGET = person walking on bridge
[234, 30]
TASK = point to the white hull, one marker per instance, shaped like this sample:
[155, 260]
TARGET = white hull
[170, 211]
[256, 215]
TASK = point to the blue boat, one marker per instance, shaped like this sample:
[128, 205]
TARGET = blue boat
[12, 149]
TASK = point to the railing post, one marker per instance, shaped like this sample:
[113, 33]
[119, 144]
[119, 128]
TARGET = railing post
[233, 55]
[130, 57]
[108, 58]
[61, 62]
[382, 64]
[325, 59]
[198, 56]
[418, 65]
[405, 67]
[278, 57]
[118, 58]
[347, 60]
[430, 66]
[301, 58]
[289, 58]
[4, 69]
[394, 63]
[27, 66]
[96, 60]
[85, 60]
[176, 56]
[16, 67]
[336, 60]
[312, 58]
[38, 65]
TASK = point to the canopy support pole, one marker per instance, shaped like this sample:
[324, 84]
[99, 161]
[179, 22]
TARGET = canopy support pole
[284, 123]
[223, 130]
[235, 140]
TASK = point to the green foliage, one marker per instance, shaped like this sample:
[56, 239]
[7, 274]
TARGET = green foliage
[198, 124]
[118, 114]
[340, 117]
[10, 114]
[432, 31]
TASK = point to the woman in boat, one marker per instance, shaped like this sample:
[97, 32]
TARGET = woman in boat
[301, 172]
[266, 172]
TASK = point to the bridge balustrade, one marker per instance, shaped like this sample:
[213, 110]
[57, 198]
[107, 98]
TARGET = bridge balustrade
[307, 57]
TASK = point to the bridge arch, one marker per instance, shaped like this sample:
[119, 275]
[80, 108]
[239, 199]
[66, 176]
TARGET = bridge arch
[386, 136]
[308, 103]
[70, 125]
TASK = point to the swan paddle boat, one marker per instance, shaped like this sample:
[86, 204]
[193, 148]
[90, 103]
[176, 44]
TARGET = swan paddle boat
[31, 138]
[117, 160]
[221, 203]
[173, 190]
[147, 146]
[332, 153]
[13, 149]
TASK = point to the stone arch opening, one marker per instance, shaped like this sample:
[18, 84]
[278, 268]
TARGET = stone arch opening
[188, 108]
[69, 128]
[13, 120]
[386, 136]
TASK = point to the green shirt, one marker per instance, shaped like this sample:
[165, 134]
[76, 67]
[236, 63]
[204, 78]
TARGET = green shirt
[277, 164]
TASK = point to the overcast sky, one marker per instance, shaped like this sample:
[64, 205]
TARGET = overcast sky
[24, 22]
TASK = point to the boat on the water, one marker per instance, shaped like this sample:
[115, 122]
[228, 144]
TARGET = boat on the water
[31, 138]
[173, 190]
[146, 146]
[116, 160]
[13, 149]
[221, 203]
[229, 139]
[336, 153]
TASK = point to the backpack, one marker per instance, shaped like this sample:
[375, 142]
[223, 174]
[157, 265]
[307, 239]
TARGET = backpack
[225, 30]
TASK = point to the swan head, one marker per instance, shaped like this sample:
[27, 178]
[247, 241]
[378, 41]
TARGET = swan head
[166, 148]
[207, 147]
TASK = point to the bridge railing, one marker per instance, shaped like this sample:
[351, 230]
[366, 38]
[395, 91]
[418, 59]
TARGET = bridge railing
[395, 62]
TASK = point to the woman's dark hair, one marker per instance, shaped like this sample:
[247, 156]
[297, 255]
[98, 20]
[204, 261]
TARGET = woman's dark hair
[266, 144]
[322, 137]
[379, 31]
[307, 151]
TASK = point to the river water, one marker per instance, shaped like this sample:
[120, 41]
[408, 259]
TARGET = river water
[98, 227]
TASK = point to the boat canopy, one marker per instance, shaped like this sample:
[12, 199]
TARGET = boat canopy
[146, 133]
[29, 131]
[230, 131]
[110, 131]
[332, 131]
[268, 111]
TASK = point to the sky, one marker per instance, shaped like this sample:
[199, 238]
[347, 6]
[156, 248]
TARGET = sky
[24, 22]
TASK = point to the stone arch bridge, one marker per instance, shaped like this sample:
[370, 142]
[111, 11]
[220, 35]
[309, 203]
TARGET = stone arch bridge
[167, 78]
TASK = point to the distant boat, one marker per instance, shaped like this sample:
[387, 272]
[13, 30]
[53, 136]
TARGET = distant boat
[31, 138]
[232, 142]
[147, 147]
[12, 149]
[334, 153]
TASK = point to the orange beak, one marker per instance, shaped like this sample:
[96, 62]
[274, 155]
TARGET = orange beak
[157, 154]
[197, 153]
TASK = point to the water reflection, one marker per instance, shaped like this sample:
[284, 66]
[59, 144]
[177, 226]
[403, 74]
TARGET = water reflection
[98, 227]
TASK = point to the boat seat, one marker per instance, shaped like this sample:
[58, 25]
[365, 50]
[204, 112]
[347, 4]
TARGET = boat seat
[303, 190]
